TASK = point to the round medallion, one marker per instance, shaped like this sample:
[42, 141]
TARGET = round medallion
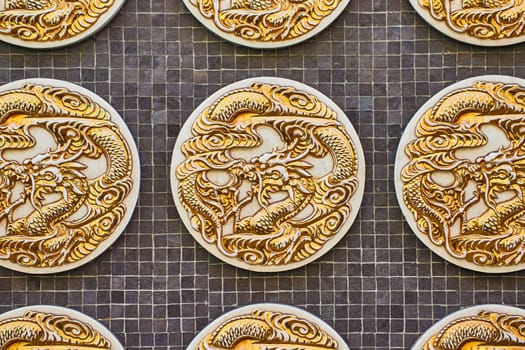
[69, 176]
[44, 24]
[268, 326]
[45, 327]
[483, 327]
[268, 174]
[459, 177]
[477, 22]
[266, 24]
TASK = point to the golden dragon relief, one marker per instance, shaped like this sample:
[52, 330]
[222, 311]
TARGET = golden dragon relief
[484, 331]
[482, 19]
[266, 20]
[472, 207]
[53, 210]
[268, 330]
[49, 20]
[270, 209]
[47, 331]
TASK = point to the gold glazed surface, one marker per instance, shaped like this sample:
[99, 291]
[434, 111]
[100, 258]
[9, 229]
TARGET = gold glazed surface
[268, 330]
[266, 20]
[269, 209]
[484, 331]
[50, 20]
[69, 212]
[482, 19]
[46, 331]
[472, 207]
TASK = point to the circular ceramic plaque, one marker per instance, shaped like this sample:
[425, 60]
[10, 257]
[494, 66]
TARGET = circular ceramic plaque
[43, 24]
[459, 174]
[268, 326]
[268, 174]
[266, 24]
[477, 22]
[69, 175]
[483, 327]
[45, 327]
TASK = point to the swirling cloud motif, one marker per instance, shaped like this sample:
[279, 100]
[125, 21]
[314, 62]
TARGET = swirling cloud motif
[42, 330]
[266, 21]
[277, 206]
[51, 22]
[461, 178]
[65, 190]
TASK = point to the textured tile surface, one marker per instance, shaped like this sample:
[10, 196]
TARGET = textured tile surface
[156, 288]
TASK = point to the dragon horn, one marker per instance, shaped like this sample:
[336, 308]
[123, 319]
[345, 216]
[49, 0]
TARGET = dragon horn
[277, 159]
[47, 160]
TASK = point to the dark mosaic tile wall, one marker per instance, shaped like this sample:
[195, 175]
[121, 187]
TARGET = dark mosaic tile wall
[155, 288]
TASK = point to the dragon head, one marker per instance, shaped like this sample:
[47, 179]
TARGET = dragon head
[276, 171]
[49, 172]
[499, 171]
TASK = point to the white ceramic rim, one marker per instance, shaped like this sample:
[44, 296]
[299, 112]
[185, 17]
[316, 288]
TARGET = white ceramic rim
[280, 308]
[323, 24]
[74, 314]
[355, 201]
[462, 37]
[130, 201]
[101, 22]
[402, 160]
[469, 311]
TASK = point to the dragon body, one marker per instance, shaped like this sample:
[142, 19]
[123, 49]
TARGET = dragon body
[273, 234]
[444, 211]
[47, 236]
